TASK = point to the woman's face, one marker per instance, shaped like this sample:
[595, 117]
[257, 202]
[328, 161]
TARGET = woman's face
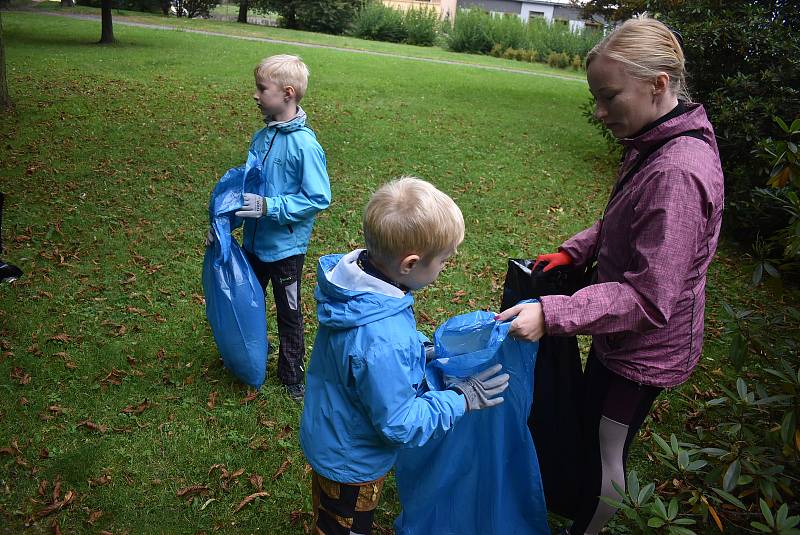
[623, 103]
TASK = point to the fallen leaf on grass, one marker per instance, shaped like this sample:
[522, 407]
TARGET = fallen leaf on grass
[285, 432]
[250, 499]
[57, 505]
[42, 487]
[139, 409]
[93, 426]
[56, 527]
[257, 481]
[20, 375]
[94, 516]
[103, 480]
[212, 400]
[191, 491]
[251, 395]
[284, 465]
[63, 337]
[44, 453]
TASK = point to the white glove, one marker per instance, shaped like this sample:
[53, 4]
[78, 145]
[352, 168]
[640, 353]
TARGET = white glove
[254, 206]
[210, 237]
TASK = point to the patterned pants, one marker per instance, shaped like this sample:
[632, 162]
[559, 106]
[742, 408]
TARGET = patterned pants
[285, 276]
[342, 508]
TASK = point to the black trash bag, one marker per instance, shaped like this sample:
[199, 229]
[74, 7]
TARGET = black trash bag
[555, 417]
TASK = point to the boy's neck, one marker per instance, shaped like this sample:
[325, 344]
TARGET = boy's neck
[290, 113]
[370, 267]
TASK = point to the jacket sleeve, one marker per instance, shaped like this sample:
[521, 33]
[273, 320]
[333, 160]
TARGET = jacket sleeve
[383, 380]
[315, 190]
[581, 246]
[666, 230]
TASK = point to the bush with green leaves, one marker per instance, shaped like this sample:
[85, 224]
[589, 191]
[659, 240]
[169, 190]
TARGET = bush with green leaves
[422, 26]
[378, 22]
[736, 466]
[471, 32]
[326, 16]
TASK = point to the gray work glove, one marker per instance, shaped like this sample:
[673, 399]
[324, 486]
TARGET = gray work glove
[254, 206]
[209, 237]
[481, 390]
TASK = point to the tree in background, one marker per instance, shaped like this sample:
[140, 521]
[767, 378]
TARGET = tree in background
[5, 98]
[243, 6]
[744, 67]
[107, 25]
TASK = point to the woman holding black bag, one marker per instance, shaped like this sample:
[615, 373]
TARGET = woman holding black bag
[644, 302]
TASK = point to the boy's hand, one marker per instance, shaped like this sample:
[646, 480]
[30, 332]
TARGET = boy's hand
[254, 206]
[529, 321]
[209, 237]
[481, 390]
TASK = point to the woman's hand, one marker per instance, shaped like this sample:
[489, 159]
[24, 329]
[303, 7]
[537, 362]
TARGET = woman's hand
[529, 321]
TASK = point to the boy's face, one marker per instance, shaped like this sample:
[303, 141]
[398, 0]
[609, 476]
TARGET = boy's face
[272, 99]
[424, 271]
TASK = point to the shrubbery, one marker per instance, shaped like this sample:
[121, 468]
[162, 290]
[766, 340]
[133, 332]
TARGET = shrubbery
[381, 23]
[736, 464]
[327, 16]
[479, 32]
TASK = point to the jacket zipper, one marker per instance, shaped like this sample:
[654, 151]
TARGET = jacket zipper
[263, 163]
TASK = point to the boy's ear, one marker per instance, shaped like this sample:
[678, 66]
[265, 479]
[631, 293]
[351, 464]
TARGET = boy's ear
[289, 93]
[408, 263]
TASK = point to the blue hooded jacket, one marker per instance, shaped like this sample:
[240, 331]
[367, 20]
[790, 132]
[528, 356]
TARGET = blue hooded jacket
[365, 396]
[287, 166]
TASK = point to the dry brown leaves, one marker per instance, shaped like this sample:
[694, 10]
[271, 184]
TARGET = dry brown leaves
[284, 465]
[100, 428]
[138, 409]
[250, 499]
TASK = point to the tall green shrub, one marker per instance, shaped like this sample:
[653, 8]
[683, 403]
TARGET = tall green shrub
[471, 32]
[422, 26]
[509, 32]
[378, 22]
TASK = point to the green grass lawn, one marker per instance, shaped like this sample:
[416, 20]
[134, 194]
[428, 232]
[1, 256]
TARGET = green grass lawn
[111, 385]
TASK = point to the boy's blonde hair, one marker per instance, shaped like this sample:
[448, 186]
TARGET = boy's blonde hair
[646, 47]
[410, 216]
[284, 70]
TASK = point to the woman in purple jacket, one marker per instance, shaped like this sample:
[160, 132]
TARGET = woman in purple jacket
[653, 246]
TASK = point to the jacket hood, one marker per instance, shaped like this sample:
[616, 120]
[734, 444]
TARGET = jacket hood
[694, 118]
[295, 123]
[347, 297]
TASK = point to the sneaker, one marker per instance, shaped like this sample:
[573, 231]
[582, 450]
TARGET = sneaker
[296, 391]
[8, 272]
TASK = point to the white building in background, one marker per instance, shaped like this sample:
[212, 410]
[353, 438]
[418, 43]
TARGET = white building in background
[556, 11]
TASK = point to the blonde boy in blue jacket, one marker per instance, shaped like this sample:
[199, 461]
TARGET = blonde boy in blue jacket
[283, 196]
[366, 395]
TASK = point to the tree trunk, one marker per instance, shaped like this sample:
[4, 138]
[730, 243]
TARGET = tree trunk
[67, 3]
[243, 5]
[107, 35]
[5, 98]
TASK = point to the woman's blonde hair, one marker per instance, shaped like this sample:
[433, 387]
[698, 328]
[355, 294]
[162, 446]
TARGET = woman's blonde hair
[284, 70]
[410, 216]
[646, 47]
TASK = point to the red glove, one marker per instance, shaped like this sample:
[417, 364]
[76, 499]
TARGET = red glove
[553, 260]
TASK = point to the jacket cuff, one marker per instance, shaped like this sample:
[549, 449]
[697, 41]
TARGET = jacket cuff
[559, 315]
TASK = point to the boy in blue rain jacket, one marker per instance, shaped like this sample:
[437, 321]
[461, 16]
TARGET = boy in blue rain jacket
[284, 193]
[366, 396]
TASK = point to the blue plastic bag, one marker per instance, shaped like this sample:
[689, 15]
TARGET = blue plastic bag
[234, 299]
[482, 476]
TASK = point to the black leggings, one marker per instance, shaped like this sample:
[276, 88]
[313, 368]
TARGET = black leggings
[614, 410]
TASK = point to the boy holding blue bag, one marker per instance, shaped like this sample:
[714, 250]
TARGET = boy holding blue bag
[366, 395]
[282, 198]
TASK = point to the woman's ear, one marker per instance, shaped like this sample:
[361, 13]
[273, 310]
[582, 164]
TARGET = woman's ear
[661, 84]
